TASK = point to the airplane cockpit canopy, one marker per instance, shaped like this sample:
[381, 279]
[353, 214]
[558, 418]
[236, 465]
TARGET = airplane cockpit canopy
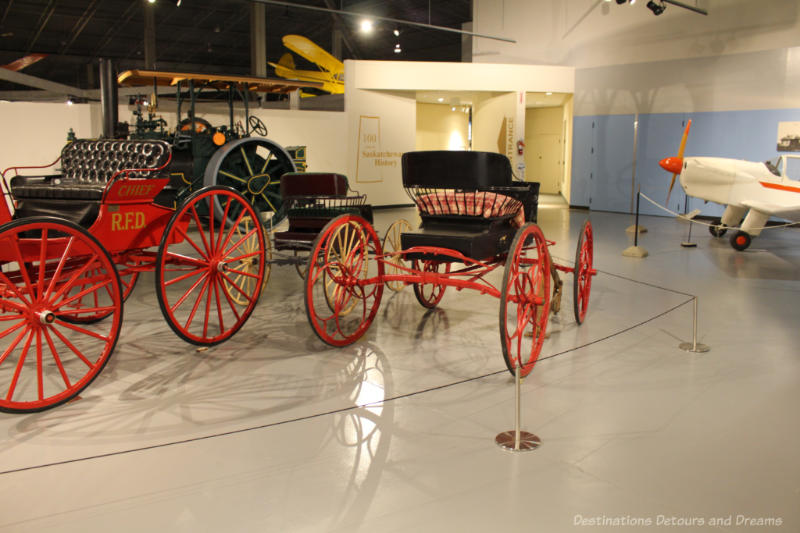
[774, 165]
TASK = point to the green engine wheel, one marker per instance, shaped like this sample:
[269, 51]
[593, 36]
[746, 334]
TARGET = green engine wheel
[252, 166]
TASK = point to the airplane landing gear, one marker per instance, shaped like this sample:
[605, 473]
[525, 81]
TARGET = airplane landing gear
[741, 240]
[718, 229]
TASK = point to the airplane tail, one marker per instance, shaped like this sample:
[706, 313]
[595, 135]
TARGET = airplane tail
[675, 164]
[287, 61]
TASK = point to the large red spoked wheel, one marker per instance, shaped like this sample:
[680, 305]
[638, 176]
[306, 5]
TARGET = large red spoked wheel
[47, 265]
[128, 275]
[343, 286]
[202, 266]
[582, 277]
[525, 299]
[430, 294]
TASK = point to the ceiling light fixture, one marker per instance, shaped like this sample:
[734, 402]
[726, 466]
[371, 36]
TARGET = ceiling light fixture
[397, 48]
[396, 32]
[151, 1]
[440, 99]
[366, 26]
[656, 7]
[69, 100]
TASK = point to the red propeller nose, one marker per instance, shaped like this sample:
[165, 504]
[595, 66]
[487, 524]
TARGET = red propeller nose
[672, 164]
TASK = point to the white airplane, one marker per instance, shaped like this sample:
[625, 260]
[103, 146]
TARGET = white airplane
[749, 190]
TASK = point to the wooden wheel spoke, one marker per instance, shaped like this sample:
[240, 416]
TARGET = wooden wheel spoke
[56, 358]
[12, 387]
[42, 263]
[184, 276]
[196, 303]
[234, 230]
[239, 242]
[219, 307]
[189, 291]
[81, 294]
[13, 328]
[234, 286]
[69, 344]
[71, 281]
[199, 225]
[14, 343]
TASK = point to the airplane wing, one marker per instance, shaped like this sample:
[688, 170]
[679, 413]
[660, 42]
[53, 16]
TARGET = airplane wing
[791, 212]
[309, 50]
[23, 62]
[285, 68]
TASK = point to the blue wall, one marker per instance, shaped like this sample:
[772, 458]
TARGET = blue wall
[602, 154]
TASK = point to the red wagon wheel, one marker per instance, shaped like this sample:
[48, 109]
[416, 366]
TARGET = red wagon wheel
[128, 277]
[343, 286]
[582, 277]
[430, 294]
[525, 299]
[201, 265]
[47, 265]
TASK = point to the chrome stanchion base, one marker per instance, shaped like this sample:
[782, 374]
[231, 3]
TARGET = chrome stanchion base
[696, 348]
[527, 441]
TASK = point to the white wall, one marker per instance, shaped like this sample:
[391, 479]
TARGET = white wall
[590, 33]
[35, 133]
[754, 80]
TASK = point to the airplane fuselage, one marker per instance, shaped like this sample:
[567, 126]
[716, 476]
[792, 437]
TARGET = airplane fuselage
[736, 182]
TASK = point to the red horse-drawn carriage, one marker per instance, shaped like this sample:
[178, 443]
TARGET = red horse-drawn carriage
[475, 219]
[76, 244]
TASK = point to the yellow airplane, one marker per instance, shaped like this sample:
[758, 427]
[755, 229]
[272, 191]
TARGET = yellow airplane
[331, 73]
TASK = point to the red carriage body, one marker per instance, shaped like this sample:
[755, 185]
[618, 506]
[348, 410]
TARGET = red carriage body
[475, 219]
[73, 249]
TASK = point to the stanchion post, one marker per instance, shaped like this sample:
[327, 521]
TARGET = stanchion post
[517, 440]
[636, 250]
[694, 346]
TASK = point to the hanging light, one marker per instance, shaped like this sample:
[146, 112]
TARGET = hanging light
[366, 26]
[397, 48]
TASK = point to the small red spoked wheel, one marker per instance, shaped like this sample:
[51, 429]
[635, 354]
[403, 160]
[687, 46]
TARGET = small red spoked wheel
[430, 294]
[582, 277]
[343, 285]
[209, 273]
[47, 265]
[525, 299]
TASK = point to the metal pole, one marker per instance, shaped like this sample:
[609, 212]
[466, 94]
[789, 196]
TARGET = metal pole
[517, 440]
[636, 223]
[518, 394]
[694, 346]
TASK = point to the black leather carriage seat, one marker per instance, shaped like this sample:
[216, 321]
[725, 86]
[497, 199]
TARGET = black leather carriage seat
[474, 236]
[305, 223]
[86, 167]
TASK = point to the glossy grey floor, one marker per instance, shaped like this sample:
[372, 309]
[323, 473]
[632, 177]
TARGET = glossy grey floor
[275, 431]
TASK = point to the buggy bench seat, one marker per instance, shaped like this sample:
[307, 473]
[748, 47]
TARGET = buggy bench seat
[467, 201]
[86, 168]
[313, 199]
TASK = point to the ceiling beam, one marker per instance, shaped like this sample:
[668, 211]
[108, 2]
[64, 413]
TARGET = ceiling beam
[40, 83]
[77, 29]
[43, 20]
